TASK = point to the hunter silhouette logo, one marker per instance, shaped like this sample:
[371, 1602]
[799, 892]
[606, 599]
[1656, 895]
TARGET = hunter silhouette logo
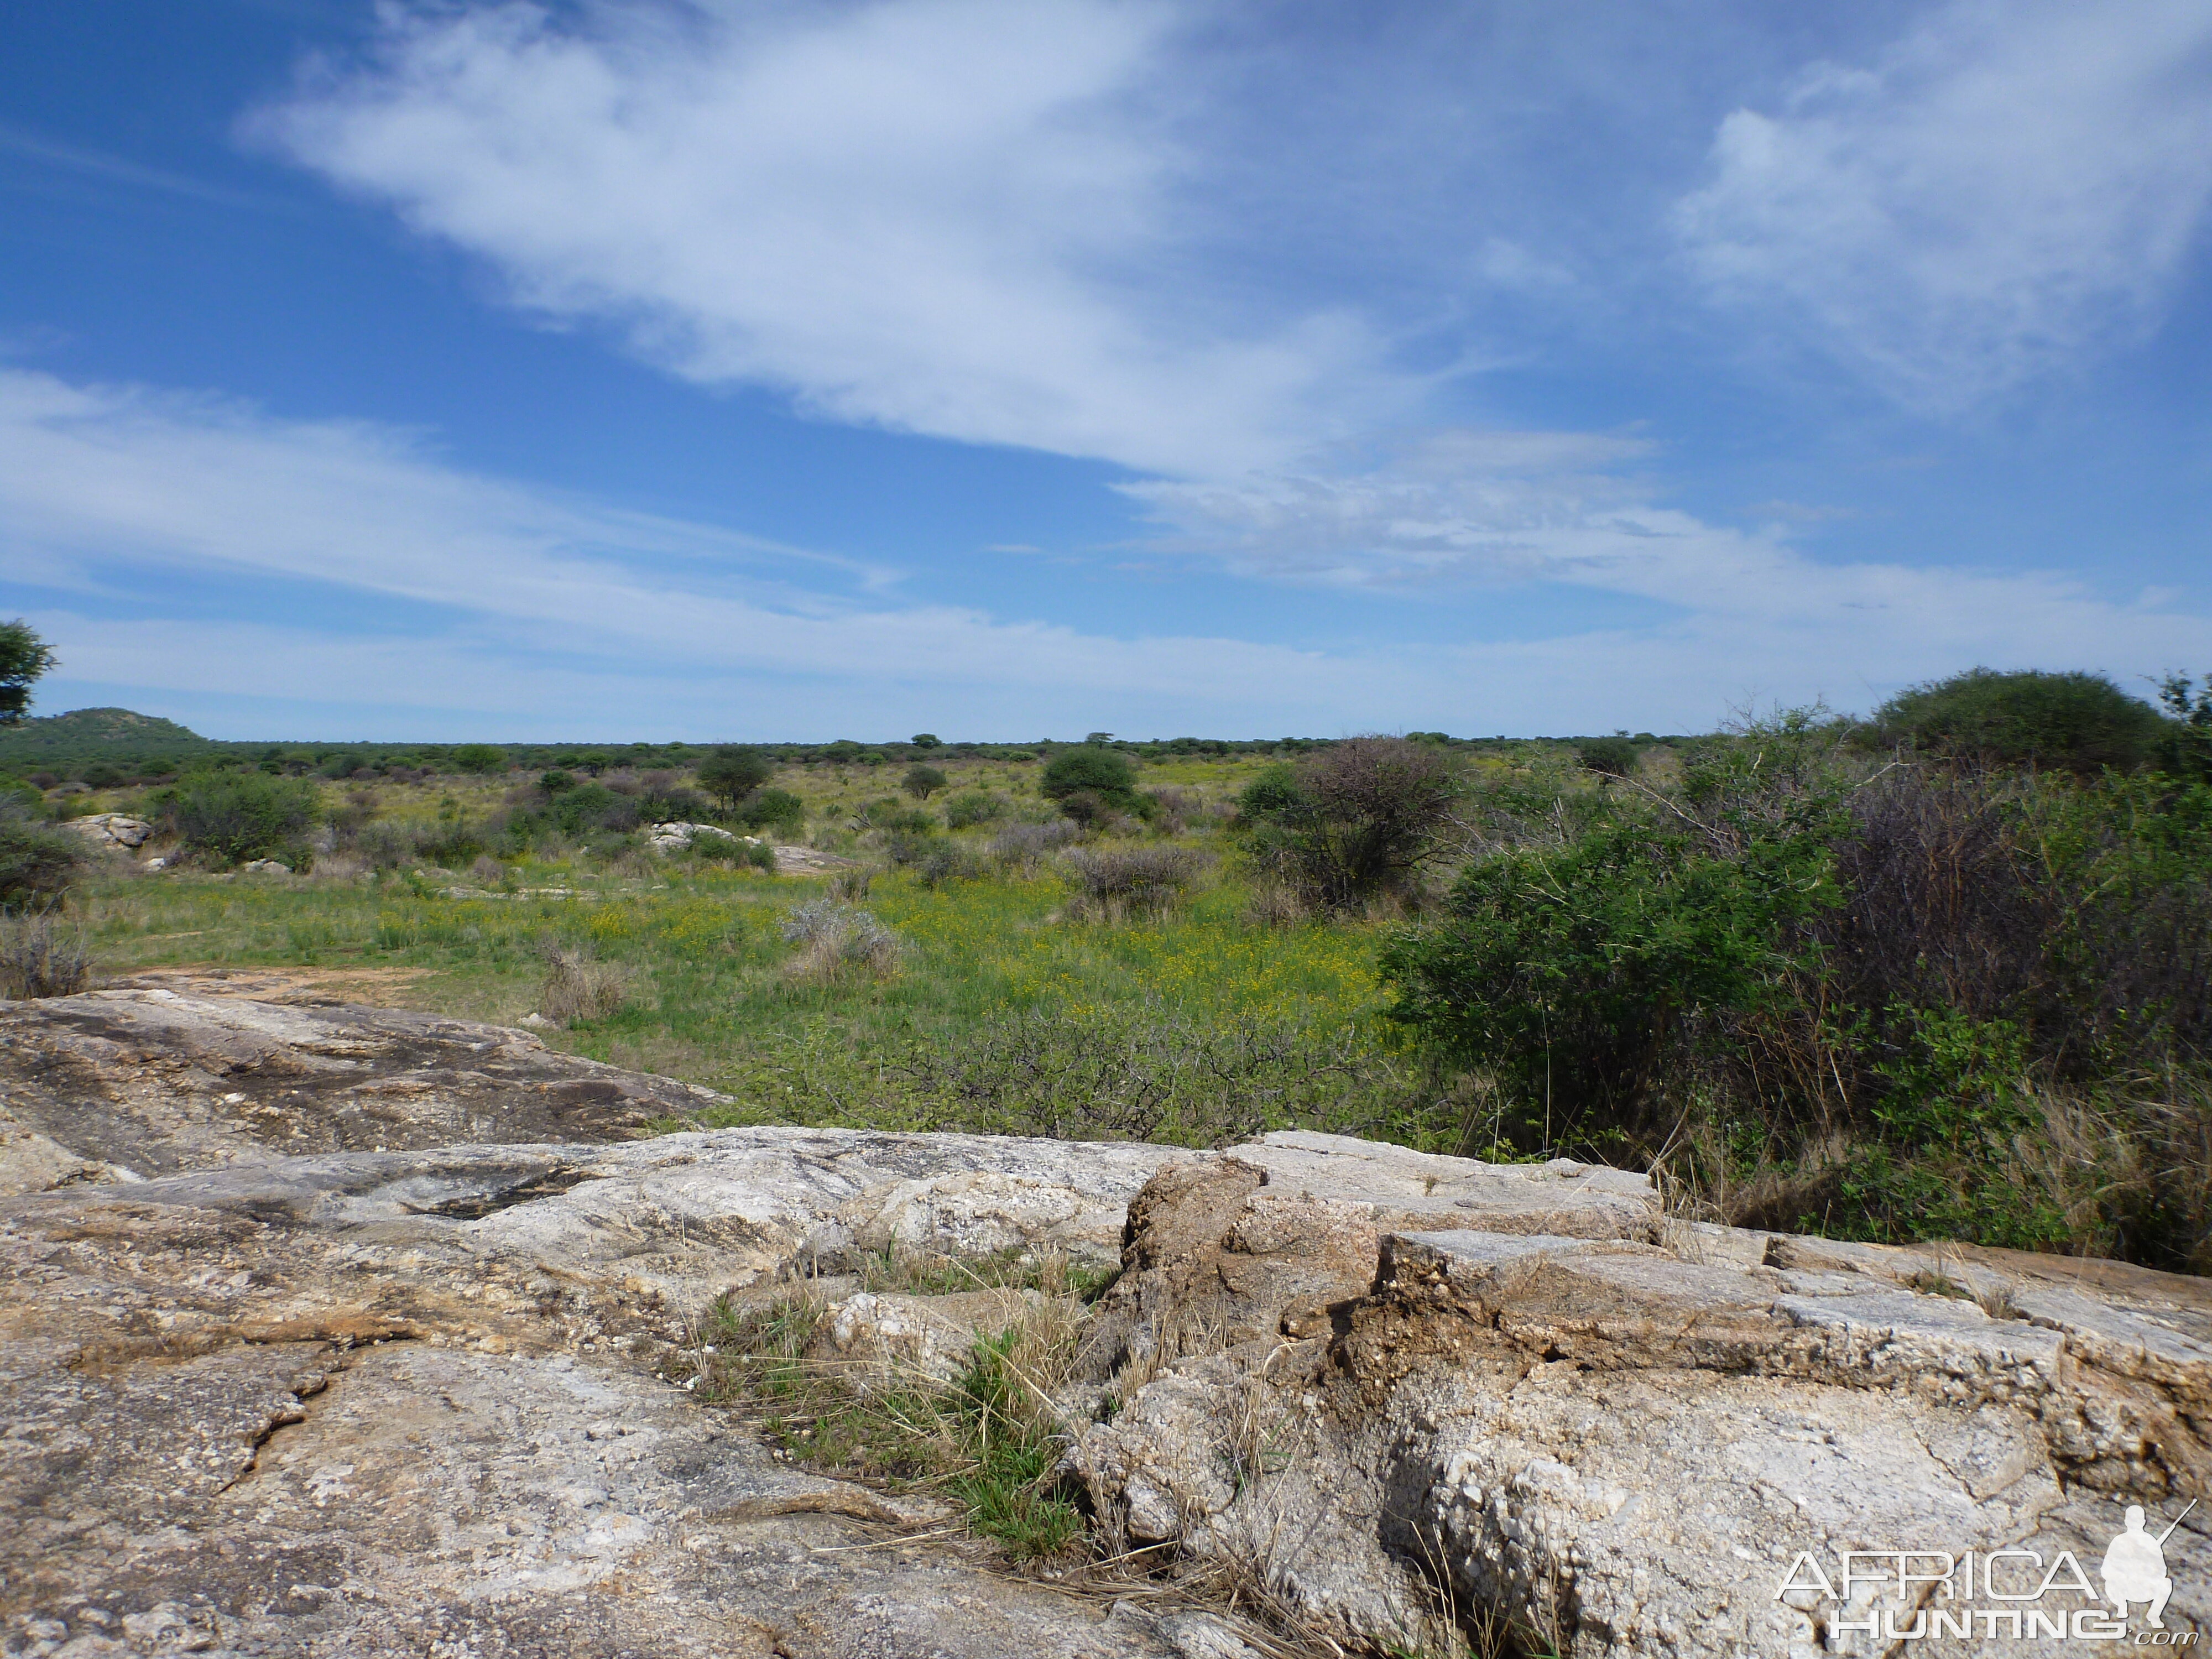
[2135, 1566]
[2012, 1593]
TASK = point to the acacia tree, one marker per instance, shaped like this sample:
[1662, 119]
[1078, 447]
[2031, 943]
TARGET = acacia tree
[730, 774]
[23, 657]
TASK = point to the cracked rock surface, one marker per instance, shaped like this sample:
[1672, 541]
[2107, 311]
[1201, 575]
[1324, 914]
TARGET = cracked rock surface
[270, 1390]
[1619, 1435]
[148, 1082]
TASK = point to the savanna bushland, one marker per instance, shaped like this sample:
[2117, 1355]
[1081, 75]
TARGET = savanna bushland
[1940, 973]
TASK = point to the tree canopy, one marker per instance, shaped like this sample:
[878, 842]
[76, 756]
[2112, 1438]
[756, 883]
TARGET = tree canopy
[23, 658]
[2074, 722]
[730, 774]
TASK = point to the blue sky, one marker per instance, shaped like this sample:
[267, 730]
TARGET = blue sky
[1014, 368]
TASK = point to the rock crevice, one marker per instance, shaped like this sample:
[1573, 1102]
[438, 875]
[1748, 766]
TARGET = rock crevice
[299, 1359]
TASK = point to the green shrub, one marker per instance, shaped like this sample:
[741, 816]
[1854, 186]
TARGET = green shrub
[38, 859]
[232, 816]
[481, 759]
[454, 841]
[1105, 775]
[889, 816]
[1897, 1003]
[1575, 972]
[2185, 751]
[576, 811]
[2076, 722]
[773, 809]
[923, 781]
[1610, 757]
[23, 658]
[973, 807]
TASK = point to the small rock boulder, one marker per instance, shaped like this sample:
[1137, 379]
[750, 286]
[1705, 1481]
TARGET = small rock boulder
[675, 837]
[891, 1339]
[113, 829]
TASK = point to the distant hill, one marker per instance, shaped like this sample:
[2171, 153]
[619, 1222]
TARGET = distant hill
[97, 730]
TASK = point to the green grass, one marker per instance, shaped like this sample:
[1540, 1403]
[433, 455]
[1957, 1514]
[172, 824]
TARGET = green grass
[710, 998]
[707, 959]
[987, 1440]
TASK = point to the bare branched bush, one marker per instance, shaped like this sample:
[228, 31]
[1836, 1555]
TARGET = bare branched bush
[385, 845]
[1174, 809]
[936, 860]
[834, 941]
[852, 884]
[577, 988]
[1351, 821]
[1275, 904]
[1119, 882]
[1023, 848]
[41, 956]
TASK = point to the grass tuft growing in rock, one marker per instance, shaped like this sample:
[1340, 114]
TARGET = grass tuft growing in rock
[988, 1440]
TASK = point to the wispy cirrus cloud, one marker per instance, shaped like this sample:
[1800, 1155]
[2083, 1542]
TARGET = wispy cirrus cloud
[2008, 185]
[564, 617]
[508, 586]
[74, 161]
[1468, 511]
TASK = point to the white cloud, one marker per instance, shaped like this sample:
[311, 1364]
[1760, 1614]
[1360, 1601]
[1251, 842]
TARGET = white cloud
[1454, 505]
[483, 604]
[943, 216]
[1482, 510]
[103, 480]
[2012, 182]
